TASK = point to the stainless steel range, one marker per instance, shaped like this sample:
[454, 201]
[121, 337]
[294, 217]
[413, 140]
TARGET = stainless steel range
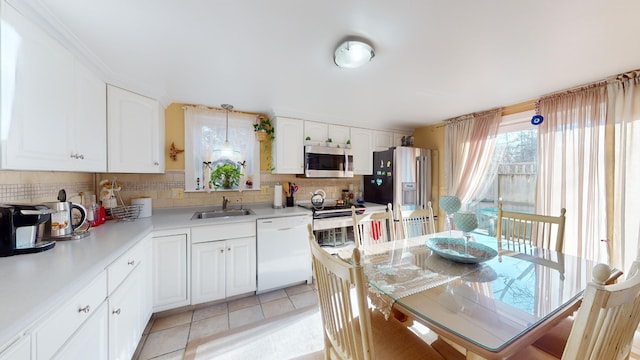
[333, 224]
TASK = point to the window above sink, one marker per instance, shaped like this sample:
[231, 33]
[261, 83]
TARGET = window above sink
[205, 135]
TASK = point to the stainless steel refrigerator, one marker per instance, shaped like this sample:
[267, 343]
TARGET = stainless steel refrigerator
[401, 175]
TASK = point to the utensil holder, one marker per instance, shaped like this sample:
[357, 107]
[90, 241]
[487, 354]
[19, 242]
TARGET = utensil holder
[290, 201]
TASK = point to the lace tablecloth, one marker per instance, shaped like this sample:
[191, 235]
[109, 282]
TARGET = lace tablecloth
[398, 269]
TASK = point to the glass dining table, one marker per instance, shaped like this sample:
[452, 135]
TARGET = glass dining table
[493, 308]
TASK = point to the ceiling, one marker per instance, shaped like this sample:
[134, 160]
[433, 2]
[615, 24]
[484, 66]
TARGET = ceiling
[434, 59]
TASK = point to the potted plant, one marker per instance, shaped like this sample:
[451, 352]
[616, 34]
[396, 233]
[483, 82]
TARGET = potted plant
[226, 176]
[307, 140]
[348, 144]
[329, 142]
[263, 128]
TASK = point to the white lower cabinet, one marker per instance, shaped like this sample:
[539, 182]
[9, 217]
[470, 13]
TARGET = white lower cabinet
[223, 261]
[223, 269]
[66, 319]
[90, 341]
[20, 350]
[208, 271]
[126, 322]
[170, 269]
[104, 320]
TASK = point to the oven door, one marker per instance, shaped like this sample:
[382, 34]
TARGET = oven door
[333, 231]
[327, 162]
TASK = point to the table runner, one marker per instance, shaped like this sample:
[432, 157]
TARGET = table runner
[399, 269]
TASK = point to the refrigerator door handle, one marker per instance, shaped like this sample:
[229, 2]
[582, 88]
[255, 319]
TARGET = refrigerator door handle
[420, 173]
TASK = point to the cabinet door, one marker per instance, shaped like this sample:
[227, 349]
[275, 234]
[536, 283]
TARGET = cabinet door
[170, 281]
[90, 126]
[382, 140]
[288, 146]
[91, 339]
[125, 325]
[241, 265]
[318, 132]
[135, 126]
[207, 272]
[37, 78]
[339, 134]
[362, 148]
[20, 350]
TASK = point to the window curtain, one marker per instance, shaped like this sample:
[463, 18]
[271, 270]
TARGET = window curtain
[467, 142]
[571, 168]
[624, 110]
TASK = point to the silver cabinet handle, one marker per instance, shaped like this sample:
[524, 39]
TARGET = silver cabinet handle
[221, 251]
[131, 262]
[156, 163]
[81, 156]
[85, 309]
[117, 311]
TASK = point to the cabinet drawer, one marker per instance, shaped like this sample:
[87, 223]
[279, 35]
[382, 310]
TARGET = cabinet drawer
[222, 232]
[66, 319]
[119, 269]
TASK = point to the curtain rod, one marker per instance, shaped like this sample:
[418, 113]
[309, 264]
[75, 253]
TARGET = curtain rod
[529, 105]
[219, 109]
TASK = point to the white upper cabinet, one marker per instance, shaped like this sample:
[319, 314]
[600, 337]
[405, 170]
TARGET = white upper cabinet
[382, 140]
[339, 134]
[362, 145]
[135, 126]
[316, 131]
[287, 148]
[52, 107]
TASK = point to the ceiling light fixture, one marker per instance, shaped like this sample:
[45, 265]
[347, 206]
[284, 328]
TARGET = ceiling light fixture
[226, 148]
[352, 54]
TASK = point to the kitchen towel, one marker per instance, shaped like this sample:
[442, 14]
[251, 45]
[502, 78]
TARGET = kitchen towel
[145, 206]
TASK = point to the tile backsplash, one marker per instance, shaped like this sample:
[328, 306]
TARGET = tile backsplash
[166, 190]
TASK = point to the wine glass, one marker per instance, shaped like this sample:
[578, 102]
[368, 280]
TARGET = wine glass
[450, 204]
[466, 221]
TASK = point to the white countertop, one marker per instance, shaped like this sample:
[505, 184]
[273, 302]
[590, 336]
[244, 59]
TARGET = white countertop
[31, 285]
[173, 218]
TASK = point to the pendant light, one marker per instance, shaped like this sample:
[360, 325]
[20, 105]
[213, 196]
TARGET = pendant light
[227, 150]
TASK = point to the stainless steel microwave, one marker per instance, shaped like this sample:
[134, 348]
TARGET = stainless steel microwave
[327, 162]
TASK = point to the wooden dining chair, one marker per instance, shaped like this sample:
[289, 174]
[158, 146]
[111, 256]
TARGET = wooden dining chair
[516, 230]
[416, 222]
[373, 227]
[350, 329]
[605, 323]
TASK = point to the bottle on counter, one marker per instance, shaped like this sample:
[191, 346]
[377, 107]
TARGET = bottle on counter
[102, 214]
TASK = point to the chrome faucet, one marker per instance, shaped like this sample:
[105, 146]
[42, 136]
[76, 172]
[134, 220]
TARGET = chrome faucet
[225, 201]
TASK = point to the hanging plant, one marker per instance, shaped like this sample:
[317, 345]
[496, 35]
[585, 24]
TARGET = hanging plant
[263, 128]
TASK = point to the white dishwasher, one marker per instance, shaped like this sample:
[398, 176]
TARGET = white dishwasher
[284, 256]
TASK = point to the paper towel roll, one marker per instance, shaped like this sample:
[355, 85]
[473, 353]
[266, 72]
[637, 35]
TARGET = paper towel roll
[277, 197]
[145, 206]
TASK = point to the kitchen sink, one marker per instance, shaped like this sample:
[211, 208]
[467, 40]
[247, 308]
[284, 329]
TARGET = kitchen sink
[212, 214]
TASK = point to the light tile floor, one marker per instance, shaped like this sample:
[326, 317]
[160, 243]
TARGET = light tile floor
[167, 337]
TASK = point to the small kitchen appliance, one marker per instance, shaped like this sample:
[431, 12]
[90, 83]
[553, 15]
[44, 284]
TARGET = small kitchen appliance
[327, 162]
[19, 229]
[66, 217]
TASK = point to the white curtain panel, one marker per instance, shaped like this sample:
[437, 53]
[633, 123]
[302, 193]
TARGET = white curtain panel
[468, 144]
[571, 168]
[624, 108]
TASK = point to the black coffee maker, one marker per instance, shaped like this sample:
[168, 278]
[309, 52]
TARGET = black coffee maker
[19, 226]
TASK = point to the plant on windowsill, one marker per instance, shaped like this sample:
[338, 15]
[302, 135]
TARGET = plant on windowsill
[307, 140]
[329, 142]
[226, 176]
[263, 128]
[348, 144]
